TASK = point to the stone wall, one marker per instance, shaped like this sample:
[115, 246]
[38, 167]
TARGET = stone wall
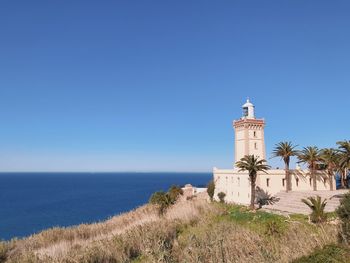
[236, 185]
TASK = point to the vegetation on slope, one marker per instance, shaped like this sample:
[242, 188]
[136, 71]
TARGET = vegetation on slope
[343, 213]
[189, 231]
[163, 200]
[329, 254]
[335, 253]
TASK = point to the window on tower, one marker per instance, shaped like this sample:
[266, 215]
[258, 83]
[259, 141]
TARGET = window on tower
[255, 146]
[245, 111]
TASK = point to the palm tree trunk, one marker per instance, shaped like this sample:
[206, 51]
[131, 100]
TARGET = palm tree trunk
[342, 181]
[314, 181]
[288, 178]
[252, 193]
[330, 178]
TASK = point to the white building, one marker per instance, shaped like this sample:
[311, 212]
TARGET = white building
[249, 139]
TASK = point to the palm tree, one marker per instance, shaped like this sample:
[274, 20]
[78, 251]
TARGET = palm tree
[285, 150]
[253, 165]
[344, 160]
[317, 207]
[330, 158]
[311, 156]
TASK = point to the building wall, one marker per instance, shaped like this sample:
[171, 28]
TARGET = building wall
[236, 185]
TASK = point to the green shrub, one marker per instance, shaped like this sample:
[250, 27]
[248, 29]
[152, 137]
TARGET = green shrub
[174, 192]
[221, 196]
[165, 199]
[317, 207]
[241, 214]
[259, 221]
[343, 213]
[273, 228]
[211, 189]
[264, 198]
[162, 200]
[328, 254]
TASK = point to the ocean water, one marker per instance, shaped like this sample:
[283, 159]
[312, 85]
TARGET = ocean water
[31, 202]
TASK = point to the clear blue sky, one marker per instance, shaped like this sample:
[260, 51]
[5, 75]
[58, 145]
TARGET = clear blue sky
[155, 85]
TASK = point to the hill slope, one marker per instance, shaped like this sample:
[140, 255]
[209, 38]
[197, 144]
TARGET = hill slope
[190, 231]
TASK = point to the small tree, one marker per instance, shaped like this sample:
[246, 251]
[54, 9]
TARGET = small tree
[317, 207]
[165, 199]
[343, 212]
[211, 189]
[252, 165]
[174, 192]
[221, 196]
[161, 200]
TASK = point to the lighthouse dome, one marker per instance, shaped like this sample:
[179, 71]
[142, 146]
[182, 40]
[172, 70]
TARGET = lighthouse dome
[248, 110]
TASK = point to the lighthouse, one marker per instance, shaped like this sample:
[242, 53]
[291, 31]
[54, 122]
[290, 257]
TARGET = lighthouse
[249, 134]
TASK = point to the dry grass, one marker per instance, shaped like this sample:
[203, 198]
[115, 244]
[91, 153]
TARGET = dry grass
[227, 242]
[190, 231]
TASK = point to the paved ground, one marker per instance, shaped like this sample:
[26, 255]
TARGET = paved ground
[291, 202]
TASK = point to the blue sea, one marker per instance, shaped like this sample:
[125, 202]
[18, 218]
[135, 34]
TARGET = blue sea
[31, 202]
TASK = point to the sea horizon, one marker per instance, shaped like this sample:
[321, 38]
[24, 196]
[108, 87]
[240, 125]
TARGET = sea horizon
[105, 172]
[35, 201]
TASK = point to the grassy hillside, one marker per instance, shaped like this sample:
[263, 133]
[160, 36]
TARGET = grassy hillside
[190, 231]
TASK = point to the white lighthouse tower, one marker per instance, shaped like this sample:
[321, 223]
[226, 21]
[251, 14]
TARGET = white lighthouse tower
[249, 134]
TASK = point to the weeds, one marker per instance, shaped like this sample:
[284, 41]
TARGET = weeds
[329, 254]
[189, 231]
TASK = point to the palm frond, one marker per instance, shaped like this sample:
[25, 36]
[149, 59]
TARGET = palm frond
[317, 207]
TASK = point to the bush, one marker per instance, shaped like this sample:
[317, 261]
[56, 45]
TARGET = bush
[264, 198]
[211, 189]
[162, 200]
[317, 206]
[328, 254]
[273, 228]
[174, 192]
[165, 199]
[343, 213]
[221, 196]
